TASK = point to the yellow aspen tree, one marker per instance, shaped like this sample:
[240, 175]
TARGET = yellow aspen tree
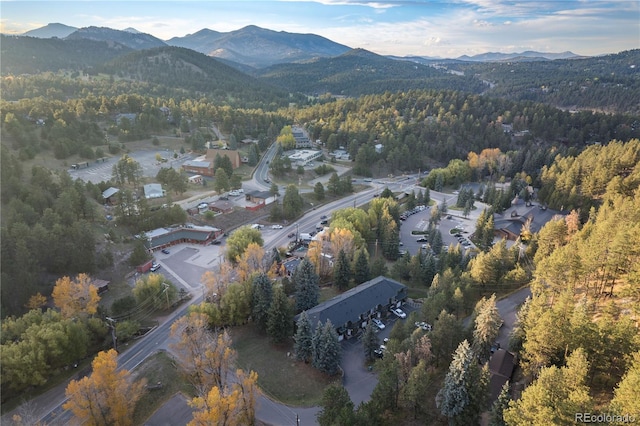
[76, 297]
[342, 239]
[107, 396]
[205, 357]
[218, 282]
[250, 262]
[232, 406]
[36, 301]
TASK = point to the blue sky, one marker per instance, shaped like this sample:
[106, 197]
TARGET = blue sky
[418, 27]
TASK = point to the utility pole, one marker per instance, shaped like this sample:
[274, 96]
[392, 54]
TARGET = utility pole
[112, 326]
[166, 287]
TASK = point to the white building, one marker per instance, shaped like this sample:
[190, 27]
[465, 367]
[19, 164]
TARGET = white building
[153, 190]
[304, 157]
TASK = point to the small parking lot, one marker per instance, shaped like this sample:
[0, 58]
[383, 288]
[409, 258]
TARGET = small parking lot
[420, 222]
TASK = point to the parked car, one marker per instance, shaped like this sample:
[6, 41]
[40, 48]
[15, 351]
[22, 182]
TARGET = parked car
[378, 323]
[291, 234]
[422, 240]
[165, 251]
[324, 216]
[154, 267]
[224, 198]
[378, 353]
[276, 226]
[234, 193]
[216, 242]
[423, 325]
[399, 313]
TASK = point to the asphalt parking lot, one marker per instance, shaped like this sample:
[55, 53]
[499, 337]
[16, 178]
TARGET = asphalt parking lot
[99, 172]
[420, 222]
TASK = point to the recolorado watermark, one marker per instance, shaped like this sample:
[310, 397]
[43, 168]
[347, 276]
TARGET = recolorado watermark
[604, 418]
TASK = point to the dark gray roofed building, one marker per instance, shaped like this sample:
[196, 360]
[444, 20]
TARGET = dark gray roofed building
[501, 366]
[352, 310]
[164, 237]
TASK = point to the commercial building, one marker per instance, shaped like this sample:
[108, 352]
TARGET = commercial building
[304, 157]
[160, 238]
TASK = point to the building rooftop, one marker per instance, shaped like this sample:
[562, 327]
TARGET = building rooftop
[349, 305]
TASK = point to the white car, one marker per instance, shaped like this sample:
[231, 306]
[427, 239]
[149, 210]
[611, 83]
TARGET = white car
[234, 193]
[378, 323]
[399, 313]
[276, 226]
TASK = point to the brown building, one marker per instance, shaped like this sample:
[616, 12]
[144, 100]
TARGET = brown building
[232, 154]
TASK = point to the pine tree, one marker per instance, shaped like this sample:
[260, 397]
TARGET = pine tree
[461, 397]
[487, 325]
[370, 342]
[280, 318]
[307, 288]
[342, 271]
[499, 405]
[262, 299]
[303, 346]
[316, 346]
[318, 191]
[361, 273]
[329, 352]
[337, 408]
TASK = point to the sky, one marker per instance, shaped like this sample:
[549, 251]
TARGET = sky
[432, 28]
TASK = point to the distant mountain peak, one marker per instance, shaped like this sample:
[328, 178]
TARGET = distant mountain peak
[515, 56]
[259, 47]
[132, 30]
[51, 30]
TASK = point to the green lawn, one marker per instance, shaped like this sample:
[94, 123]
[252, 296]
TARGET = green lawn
[280, 377]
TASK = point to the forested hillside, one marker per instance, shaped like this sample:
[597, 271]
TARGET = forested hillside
[608, 83]
[359, 72]
[585, 306]
[420, 129]
[197, 74]
[30, 55]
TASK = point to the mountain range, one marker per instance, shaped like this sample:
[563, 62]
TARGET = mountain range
[257, 47]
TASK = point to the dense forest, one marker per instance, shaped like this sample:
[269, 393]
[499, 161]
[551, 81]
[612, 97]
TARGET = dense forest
[608, 83]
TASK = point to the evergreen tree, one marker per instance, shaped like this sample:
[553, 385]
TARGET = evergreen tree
[316, 345]
[307, 285]
[499, 405]
[276, 212]
[328, 352]
[342, 271]
[262, 299]
[292, 202]
[411, 201]
[487, 325]
[254, 156]
[333, 186]
[427, 196]
[370, 342]
[274, 190]
[361, 273]
[318, 191]
[221, 182]
[420, 197]
[280, 317]
[303, 346]
[462, 398]
[378, 267]
[386, 193]
[337, 408]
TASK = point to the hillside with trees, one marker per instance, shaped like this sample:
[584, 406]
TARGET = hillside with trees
[360, 72]
[609, 83]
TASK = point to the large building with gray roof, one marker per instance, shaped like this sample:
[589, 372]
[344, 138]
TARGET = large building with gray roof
[352, 310]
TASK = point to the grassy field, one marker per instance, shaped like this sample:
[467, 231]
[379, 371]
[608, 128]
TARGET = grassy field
[159, 368]
[280, 377]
